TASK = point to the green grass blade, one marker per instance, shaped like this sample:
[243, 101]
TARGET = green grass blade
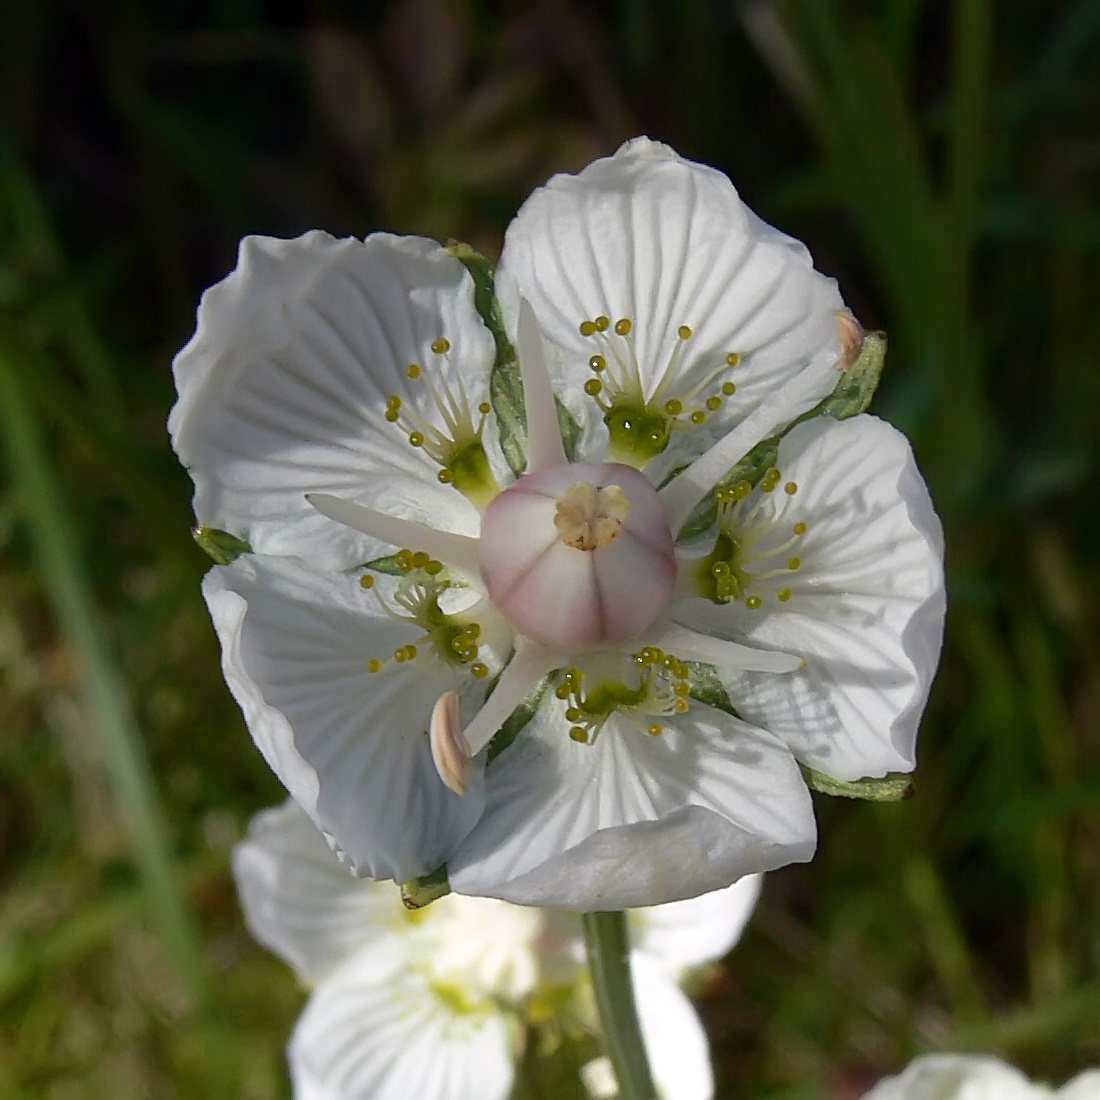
[62, 575]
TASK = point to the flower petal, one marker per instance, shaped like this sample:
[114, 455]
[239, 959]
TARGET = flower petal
[866, 608]
[284, 386]
[957, 1077]
[349, 745]
[632, 819]
[376, 1030]
[650, 237]
[689, 933]
[299, 900]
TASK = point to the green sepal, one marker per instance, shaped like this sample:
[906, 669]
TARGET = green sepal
[514, 723]
[894, 787]
[387, 565]
[505, 385]
[418, 892]
[706, 687]
[851, 396]
[223, 547]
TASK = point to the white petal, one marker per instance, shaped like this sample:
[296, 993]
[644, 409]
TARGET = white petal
[664, 242]
[1085, 1086]
[283, 387]
[685, 934]
[375, 1030]
[349, 745]
[679, 1055]
[632, 819]
[957, 1077]
[300, 901]
[867, 608]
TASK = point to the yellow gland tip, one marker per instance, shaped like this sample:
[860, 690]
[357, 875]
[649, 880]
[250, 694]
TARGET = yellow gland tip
[485, 408]
[416, 439]
[793, 563]
[374, 665]
[602, 323]
[713, 403]
[588, 328]
[729, 389]
[784, 595]
[791, 488]
[684, 332]
[441, 345]
[800, 528]
[593, 387]
[698, 416]
[479, 670]
[655, 729]
[366, 581]
[754, 603]
[733, 360]
[445, 476]
[623, 326]
[597, 363]
[674, 407]
[413, 370]
[579, 734]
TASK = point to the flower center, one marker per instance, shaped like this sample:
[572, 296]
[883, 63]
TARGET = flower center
[640, 427]
[456, 444]
[752, 558]
[578, 555]
[588, 517]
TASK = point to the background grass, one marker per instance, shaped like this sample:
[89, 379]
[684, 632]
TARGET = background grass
[943, 159]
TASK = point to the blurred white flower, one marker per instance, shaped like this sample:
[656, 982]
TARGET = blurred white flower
[433, 1002]
[692, 667]
[976, 1077]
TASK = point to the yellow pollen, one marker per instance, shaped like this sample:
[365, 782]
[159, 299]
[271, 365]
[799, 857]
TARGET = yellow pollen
[800, 528]
[588, 328]
[684, 332]
[441, 345]
[366, 580]
[791, 488]
[623, 326]
[754, 603]
[374, 665]
[784, 595]
[593, 387]
[413, 370]
[598, 363]
[793, 563]
[729, 389]
[602, 323]
[655, 729]
[479, 670]
[714, 403]
[674, 407]
[416, 439]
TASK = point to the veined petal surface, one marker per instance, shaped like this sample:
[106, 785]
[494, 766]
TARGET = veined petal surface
[864, 608]
[285, 383]
[350, 746]
[377, 1030]
[300, 901]
[633, 819]
[664, 243]
[960, 1077]
[685, 934]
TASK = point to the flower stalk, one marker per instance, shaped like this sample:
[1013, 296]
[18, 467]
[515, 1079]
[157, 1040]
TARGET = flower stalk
[609, 963]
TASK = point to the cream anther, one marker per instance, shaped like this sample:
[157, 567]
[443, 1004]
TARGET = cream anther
[450, 749]
[589, 516]
[850, 332]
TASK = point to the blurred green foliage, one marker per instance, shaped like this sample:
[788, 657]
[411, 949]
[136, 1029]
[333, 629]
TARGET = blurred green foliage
[942, 158]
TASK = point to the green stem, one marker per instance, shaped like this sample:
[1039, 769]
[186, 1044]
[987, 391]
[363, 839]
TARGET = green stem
[609, 963]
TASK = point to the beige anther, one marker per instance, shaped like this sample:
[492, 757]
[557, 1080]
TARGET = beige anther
[851, 339]
[450, 749]
[589, 516]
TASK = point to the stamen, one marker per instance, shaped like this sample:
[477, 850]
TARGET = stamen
[450, 749]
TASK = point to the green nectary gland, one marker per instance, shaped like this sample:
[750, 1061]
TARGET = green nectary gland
[719, 575]
[638, 433]
[608, 696]
[468, 470]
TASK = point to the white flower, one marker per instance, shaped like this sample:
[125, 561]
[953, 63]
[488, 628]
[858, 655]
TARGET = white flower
[976, 1077]
[691, 667]
[433, 1001]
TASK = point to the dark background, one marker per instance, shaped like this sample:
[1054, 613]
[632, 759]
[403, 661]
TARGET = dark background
[942, 159]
